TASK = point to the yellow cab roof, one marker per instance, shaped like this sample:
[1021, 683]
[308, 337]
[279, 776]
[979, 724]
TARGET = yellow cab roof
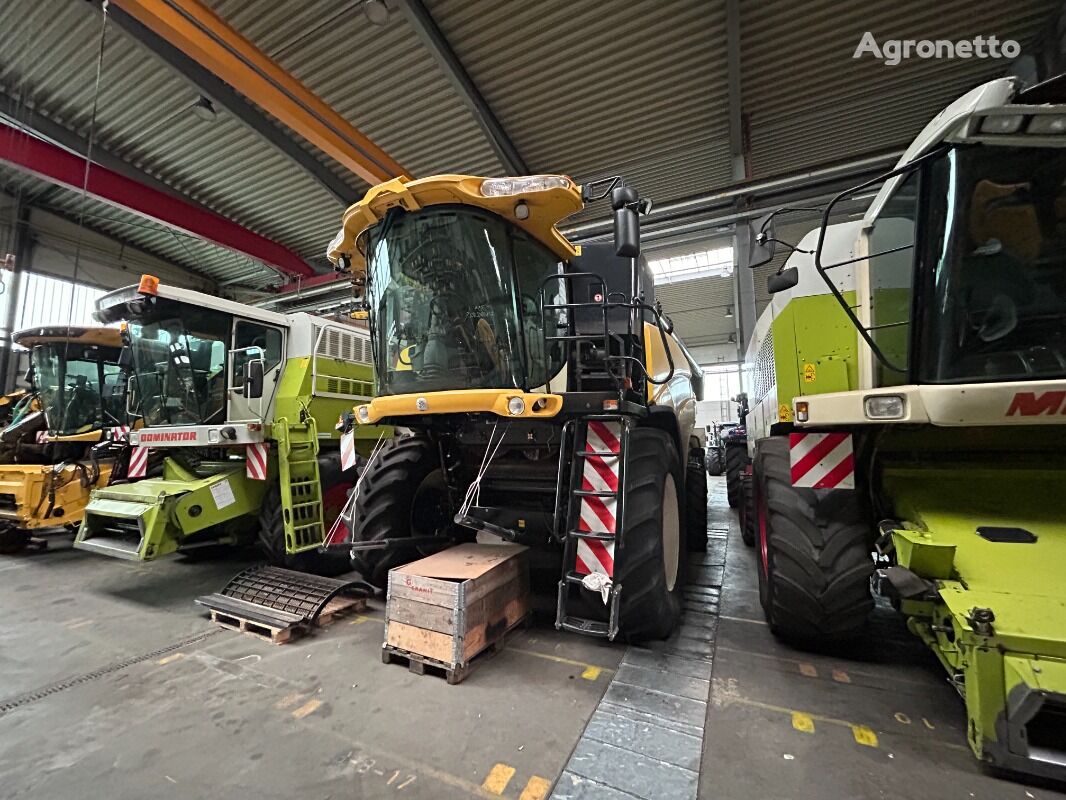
[547, 207]
[100, 336]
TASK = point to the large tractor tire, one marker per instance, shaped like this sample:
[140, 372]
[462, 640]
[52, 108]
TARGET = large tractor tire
[403, 494]
[696, 502]
[335, 485]
[747, 509]
[736, 458]
[814, 553]
[13, 540]
[649, 562]
[715, 466]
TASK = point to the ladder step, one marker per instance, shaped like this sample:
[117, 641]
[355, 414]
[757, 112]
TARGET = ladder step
[588, 493]
[600, 537]
[588, 627]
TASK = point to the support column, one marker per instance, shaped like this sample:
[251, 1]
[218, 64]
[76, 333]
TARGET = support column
[23, 248]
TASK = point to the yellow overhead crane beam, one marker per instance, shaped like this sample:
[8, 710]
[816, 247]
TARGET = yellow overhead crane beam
[206, 38]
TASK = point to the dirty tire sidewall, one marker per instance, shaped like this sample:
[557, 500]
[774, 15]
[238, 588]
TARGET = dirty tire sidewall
[749, 522]
[815, 586]
[402, 495]
[696, 504]
[272, 527]
[648, 609]
[736, 458]
[13, 540]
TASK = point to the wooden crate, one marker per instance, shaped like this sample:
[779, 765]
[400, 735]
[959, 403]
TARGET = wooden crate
[446, 609]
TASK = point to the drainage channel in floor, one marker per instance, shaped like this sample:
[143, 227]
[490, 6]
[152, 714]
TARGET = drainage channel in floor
[645, 738]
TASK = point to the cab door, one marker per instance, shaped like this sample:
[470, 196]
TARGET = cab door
[254, 341]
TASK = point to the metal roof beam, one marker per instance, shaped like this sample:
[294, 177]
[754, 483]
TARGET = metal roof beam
[55, 164]
[440, 48]
[208, 41]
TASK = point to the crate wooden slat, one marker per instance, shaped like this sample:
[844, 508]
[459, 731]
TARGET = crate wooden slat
[447, 608]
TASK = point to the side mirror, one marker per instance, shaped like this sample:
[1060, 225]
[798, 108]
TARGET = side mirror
[626, 222]
[785, 279]
[253, 379]
[131, 397]
[761, 241]
[125, 359]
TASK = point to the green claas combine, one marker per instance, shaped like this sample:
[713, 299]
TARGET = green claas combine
[242, 405]
[908, 420]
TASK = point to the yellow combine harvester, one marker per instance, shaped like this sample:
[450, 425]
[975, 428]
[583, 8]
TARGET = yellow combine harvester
[79, 384]
[550, 401]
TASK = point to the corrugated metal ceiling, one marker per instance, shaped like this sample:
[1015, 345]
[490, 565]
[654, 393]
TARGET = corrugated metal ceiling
[807, 101]
[635, 87]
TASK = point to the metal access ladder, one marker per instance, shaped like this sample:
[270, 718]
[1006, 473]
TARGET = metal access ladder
[301, 487]
[593, 523]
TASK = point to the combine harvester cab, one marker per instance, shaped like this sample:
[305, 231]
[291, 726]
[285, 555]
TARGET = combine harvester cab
[908, 425]
[67, 436]
[549, 401]
[241, 404]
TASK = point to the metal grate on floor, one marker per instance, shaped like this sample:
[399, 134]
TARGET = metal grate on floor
[645, 738]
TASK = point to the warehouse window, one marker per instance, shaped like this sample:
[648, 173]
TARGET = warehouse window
[50, 301]
[703, 264]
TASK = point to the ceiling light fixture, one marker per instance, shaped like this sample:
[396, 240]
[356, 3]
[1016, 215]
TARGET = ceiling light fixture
[204, 109]
[729, 311]
[376, 12]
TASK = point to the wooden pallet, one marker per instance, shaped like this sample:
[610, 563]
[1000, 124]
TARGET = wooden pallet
[452, 673]
[280, 634]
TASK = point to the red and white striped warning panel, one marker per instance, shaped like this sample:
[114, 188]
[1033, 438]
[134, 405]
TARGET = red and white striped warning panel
[347, 451]
[600, 474]
[255, 461]
[139, 462]
[120, 433]
[42, 437]
[822, 460]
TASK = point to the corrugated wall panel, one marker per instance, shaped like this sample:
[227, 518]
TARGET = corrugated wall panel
[808, 101]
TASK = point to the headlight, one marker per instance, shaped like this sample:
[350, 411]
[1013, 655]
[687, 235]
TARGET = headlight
[504, 187]
[884, 406]
[1002, 123]
[363, 413]
[516, 406]
[1047, 124]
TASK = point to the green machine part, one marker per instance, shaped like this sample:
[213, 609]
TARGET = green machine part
[219, 503]
[153, 517]
[814, 348]
[991, 544]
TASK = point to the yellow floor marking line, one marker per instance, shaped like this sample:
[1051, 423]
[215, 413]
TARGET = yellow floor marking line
[359, 619]
[76, 623]
[307, 708]
[840, 676]
[722, 648]
[809, 670]
[834, 721]
[168, 659]
[288, 700]
[560, 660]
[536, 789]
[802, 722]
[591, 673]
[498, 778]
[864, 736]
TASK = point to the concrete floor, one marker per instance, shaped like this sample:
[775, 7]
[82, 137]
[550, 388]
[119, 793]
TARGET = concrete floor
[879, 721]
[123, 689]
[234, 715]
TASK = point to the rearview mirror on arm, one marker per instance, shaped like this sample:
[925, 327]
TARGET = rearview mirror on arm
[253, 379]
[780, 281]
[761, 241]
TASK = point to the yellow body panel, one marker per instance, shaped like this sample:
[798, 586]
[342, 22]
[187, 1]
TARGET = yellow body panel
[462, 401]
[546, 208]
[27, 485]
